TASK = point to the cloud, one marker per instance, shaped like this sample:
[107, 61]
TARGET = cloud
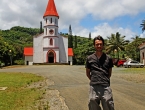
[29, 13]
[104, 30]
[23, 13]
[142, 35]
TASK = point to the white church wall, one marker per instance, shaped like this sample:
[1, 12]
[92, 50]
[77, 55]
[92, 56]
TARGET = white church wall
[46, 42]
[65, 41]
[48, 21]
[38, 49]
[51, 27]
[56, 43]
[142, 54]
[54, 28]
[57, 55]
[63, 46]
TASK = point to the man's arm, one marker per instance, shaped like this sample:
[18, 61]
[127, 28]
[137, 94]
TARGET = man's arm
[110, 72]
[88, 73]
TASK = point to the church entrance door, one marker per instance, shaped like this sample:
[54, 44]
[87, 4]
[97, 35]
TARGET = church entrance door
[51, 57]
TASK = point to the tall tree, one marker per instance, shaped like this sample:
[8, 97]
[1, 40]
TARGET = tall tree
[7, 52]
[132, 50]
[41, 27]
[142, 25]
[75, 46]
[70, 38]
[117, 43]
[90, 36]
[70, 30]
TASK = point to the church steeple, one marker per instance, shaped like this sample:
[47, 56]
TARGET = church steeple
[51, 20]
[51, 9]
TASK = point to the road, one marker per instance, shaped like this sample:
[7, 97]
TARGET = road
[73, 85]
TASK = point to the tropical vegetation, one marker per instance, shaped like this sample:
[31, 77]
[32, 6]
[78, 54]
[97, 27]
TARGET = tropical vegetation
[143, 25]
[13, 41]
[116, 43]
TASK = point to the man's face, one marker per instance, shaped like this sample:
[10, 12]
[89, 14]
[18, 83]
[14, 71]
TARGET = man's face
[98, 45]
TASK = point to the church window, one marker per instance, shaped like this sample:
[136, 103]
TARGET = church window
[51, 31]
[55, 21]
[51, 20]
[46, 20]
[51, 41]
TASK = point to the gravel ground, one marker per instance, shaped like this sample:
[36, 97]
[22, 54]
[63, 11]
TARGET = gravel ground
[51, 99]
[69, 86]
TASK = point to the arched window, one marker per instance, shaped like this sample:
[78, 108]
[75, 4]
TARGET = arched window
[55, 21]
[46, 20]
[51, 41]
[51, 20]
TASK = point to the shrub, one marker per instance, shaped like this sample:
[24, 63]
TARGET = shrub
[19, 62]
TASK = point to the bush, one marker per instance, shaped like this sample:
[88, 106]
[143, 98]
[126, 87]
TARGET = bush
[19, 62]
[2, 64]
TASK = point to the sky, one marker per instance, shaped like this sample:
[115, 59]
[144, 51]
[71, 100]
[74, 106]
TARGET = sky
[100, 17]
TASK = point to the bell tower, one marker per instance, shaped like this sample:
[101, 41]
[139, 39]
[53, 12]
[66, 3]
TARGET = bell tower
[51, 37]
[51, 20]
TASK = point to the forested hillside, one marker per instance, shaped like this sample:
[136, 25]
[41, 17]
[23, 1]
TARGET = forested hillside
[13, 41]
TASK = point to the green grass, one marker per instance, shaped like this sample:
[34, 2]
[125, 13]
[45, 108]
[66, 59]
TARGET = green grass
[133, 74]
[134, 70]
[18, 96]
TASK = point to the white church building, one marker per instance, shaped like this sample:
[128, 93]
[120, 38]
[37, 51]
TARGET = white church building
[49, 47]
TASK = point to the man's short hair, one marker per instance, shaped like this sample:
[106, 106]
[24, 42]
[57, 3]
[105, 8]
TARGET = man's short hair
[98, 38]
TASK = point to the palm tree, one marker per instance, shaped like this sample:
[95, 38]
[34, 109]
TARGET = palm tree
[116, 43]
[143, 25]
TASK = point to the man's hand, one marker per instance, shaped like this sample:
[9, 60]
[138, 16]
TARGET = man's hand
[88, 73]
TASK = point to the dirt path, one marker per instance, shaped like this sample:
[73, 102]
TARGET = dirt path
[73, 86]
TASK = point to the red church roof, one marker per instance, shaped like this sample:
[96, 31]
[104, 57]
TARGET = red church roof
[28, 51]
[51, 9]
[143, 44]
[70, 52]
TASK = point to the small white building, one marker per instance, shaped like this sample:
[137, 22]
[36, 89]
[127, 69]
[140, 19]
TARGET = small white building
[49, 47]
[142, 53]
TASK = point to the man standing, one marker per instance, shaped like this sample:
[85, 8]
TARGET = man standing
[98, 70]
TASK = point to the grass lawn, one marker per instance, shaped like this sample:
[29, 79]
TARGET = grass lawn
[18, 96]
[134, 74]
